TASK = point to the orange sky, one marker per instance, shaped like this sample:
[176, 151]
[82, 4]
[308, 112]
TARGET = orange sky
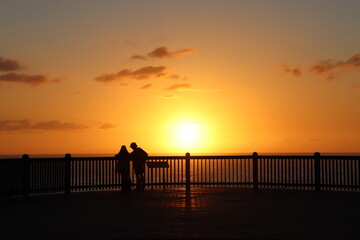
[179, 76]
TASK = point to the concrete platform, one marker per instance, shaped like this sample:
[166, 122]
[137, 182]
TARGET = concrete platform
[205, 213]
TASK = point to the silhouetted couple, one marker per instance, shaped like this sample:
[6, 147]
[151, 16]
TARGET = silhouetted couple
[138, 156]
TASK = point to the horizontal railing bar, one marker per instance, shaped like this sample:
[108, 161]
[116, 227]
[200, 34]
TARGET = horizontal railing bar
[339, 186]
[61, 189]
[95, 186]
[288, 184]
[221, 183]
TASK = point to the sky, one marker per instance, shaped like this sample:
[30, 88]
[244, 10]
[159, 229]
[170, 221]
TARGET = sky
[205, 77]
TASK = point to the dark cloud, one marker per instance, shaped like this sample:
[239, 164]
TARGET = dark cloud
[296, 72]
[164, 52]
[33, 80]
[178, 86]
[325, 66]
[15, 125]
[19, 125]
[106, 126]
[141, 73]
[7, 65]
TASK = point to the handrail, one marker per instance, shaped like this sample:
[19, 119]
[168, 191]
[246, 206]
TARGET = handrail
[26, 175]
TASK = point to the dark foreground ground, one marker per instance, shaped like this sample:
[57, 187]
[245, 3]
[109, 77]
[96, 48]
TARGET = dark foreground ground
[205, 213]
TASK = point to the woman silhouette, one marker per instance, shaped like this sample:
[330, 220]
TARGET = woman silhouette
[124, 164]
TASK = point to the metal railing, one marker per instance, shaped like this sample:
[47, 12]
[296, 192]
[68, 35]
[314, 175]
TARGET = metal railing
[25, 176]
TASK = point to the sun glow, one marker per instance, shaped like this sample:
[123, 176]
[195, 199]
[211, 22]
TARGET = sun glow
[188, 136]
[188, 133]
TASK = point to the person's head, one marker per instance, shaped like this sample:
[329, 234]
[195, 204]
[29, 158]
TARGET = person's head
[123, 149]
[133, 145]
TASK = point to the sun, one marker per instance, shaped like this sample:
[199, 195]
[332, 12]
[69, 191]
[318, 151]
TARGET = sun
[188, 133]
[188, 136]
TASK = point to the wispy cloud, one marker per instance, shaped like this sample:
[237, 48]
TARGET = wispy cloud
[58, 125]
[188, 87]
[138, 57]
[141, 73]
[329, 68]
[15, 125]
[33, 80]
[146, 86]
[25, 124]
[164, 52]
[168, 97]
[324, 66]
[7, 65]
[296, 71]
[332, 68]
[178, 86]
[106, 126]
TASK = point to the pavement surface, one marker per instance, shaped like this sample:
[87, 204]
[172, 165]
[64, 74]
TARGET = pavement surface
[204, 213]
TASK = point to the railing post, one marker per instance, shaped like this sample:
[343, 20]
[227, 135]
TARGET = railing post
[187, 171]
[67, 173]
[317, 171]
[255, 171]
[25, 165]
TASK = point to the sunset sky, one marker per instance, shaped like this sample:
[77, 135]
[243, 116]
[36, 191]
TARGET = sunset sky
[179, 76]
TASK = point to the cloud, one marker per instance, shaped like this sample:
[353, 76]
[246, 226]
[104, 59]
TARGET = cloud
[15, 125]
[141, 73]
[138, 57]
[7, 65]
[33, 80]
[328, 65]
[106, 126]
[20, 125]
[147, 86]
[168, 97]
[296, 72]
[164, 52]
[178, 86]
[329, 68]
[174, 76]
[57, 125]
[188, 87]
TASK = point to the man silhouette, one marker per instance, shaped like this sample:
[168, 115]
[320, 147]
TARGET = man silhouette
[138, 156]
